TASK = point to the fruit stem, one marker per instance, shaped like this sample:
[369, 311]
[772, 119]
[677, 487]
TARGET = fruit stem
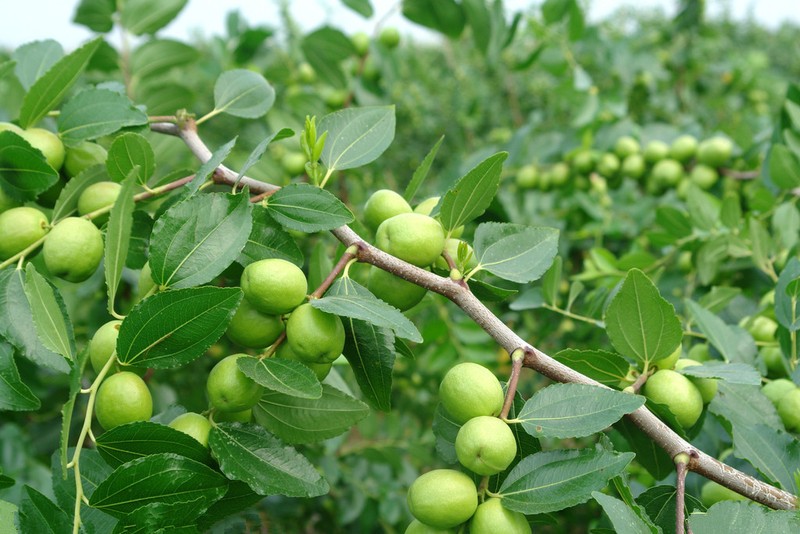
[571, 315]
[20, 256]
[274, 347]
[681, 466]
[641, 379]
[348, 256]
[516, 366]
[327, 176]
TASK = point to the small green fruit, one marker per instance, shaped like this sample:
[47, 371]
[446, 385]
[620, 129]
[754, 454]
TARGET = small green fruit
[7, 126]
[389, 37]
[706, 386]
[98, 196]
[360, 42]
[252, 329]
[20, 228]
[655, 151]
[763, 329]
[669, 361]
[699, 352]
[274, 286]
[384, 204]
[559, 173]
[73, 249]
[415, 238]
[704, 176]
[415, 527]
[634, 166]
[492, 517]
[714, 152]
[315, 336]
[789, 410]
[321, 370]
[83, 156]
[711, 493]
[229, 389]
[667, 172]
[773, 359]
[451, 246]
[306, 73]
[294, 163]
[626, 146]
[103, 344]
[485, 445]
[677, 393]
[426, 207]
[48, 144]
[193, 424]
[583, 161]
[123, 398]
[393, 290]
[527, 176]
[683, 148]
[442, 498]
[470, 390]
[778, 389]
[608, 165]
[6, 202]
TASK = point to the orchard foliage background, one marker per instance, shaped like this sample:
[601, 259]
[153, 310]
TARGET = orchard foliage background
[503, 100]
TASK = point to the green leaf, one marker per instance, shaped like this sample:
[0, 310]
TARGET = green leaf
[736, 373]
[652, 457]
[165, 518]
[351, 302]
[166, 478]
[775, 453]
[24, 173]
[732, 347]
[159, 56]
[307, 208]
[298, 420]
[268, 240]
[5, 68]
[118, 236]
[149, 16]
[139, 245]
[555, 10]
[551, 281]
[67, 202]
[284, 376]
[787, 313]
[258, 151]
[93, 471]
[172, 328]
[196, 239]
[623, 518]
[421, 172]
[250, 454]
[744, 406]
[575, 410]
[68, 409]
[17, 325]
[325, 49]
[786, 224]
[49, 314]
[37, 513]
[207, 168]
[640, 322]
[14, 395]
[729, 516]
[97, 15]
[129, 151]
[472, 194]
[8, 515]
[356, 136]
[608, 368]
[445, 16]
[674, 221]
[132, 441]
[47, 92]
[554, 480]
[34, 59]
[660, 504]
[515, 252]
[362, 7]
[783, 167]
[480, 20]
[704, 209]
[719, 297]
[243, 93]
[93, 113]
[239, 497]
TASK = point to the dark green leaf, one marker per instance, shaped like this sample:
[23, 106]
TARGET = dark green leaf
[140, 240]
[93, 471]
[67, 202]
[515, 252]
[324, 50]
[39, 514]
[606, 367]
[34, 59]
[472, 194]
[307, 208]
[160, 56]
[129, 151]
[207, 168]
[736, 373]
[118, 236]
[356, 136]
[786, 224]
[268, 240]
[480, 21]
[659, 502]
[149, 16]
[554, 480]
[14, 395]
[652, 457]
[640, 322]
[674, 221]
[243, 93]
[258, 151]
[164, 517]
[744, 406]
[731, 346]
[623, 518]
[250, 454]
[772, 451]
[93, 113]
[298, 420]
[196, 239]
[24, 173]
[172, 328]
[362, 7]
[445, 16]
[49, 314]
[97, 15]
[238, 497]
[284, 376]
[728, 516]
[551, 281]
[132, 441]
[488, 292]
[47, 92]
[575, 410]
[719, 297]
[783, 167]
[787, 313]
[555, 10]
[166, 478]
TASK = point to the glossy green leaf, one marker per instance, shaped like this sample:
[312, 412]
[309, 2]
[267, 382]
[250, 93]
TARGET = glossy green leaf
[166, 478]
[93, 471]
[652, 457]
[139, 246]
[783, 167]
[307, 208]
[97, 15]
[554, 480]
[160, 56]
[243, 93]
[640, 322]
[49, 314]
[736, 373]
[724, 338]
[250, 454]
[93, 113]
[298, 420]
[125, 443]
[659, 503]
[258, 151]
[472, 194]
[8, 517]
[129, 151]
[34, 59]
[362, 7]
[207, 169]
[149, 16]
[421, 172]
[366, 307]
[356, 136]
[67, 203]
[608, 368]
[729, 516]
[14, 394]
[239, 497]
[786, 312]
[165, 517]
[118, 236]
[47, 92]
[196, 239]
[515, 252]
[744, 406]
[24, 173]
[37, 513]
[172, 328]
[17, 326]
[444, 16]
[325, 49]
[551, 281]
[623, 517]
[775, 453]
[284, 376]
[269, 240]
[575, 410]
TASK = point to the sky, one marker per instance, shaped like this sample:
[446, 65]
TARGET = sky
[24, 22]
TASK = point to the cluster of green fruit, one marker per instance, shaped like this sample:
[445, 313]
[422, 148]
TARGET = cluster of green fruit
[785, 395]
[73, 247]
[677, 165]
[443, 499]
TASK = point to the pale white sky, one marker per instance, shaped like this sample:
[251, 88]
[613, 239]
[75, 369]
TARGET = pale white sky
[22, 21]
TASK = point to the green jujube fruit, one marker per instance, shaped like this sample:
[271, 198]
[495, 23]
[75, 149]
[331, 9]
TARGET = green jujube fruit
[393, 290]
[491, 517]
[252, 329]
[321, 370]
[73, 249]
[229, 389]
[315, 336]
[677, 393]
[470, 390]
[82, 156]
[412, 237]
[123, 398]
[442, 498]
[20, 228]
[778, 389]
[706, 386]
[384, 204]
[485, 445]
[274, 286]
[194, 425]
[96, 196]
[103, 344]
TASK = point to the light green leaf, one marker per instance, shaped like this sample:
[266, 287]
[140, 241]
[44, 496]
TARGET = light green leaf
[472, 194]
[727, 517]
[731, 345]
[515, 252]
[97, 15]
[258, 151]
[772, 451]
[149, 16]
[744, 406]
[735, 373]
[356, 136]
[160, 56]
[307, 208]
[24, 173]
[93, 113]
[243, 93]
[14, 394]
[787, 312]
[128, 151]
[49, 314]
[325, 49]
[606, 367]
[207, 168]
[268, 240]
[118, 236]
[422, 171]
[67, 202]
[551, 281]
[282, 375]
[783, 167]
[623, 518]
[34, 59]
